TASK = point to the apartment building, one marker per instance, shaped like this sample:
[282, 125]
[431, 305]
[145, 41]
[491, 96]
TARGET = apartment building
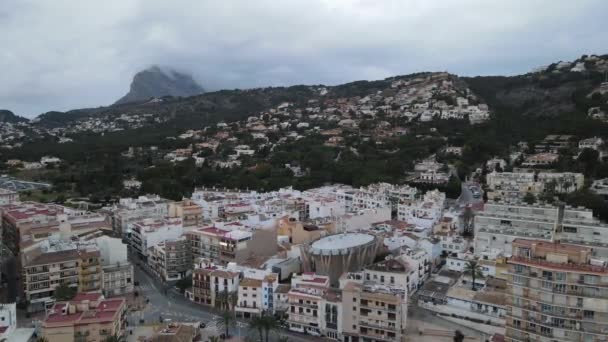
[249, 298]
[373, 312]
[215, 286]
[556, 292]
[308, 299]
[117, 277]
[237, 246]
[171, 260]
[129, 210]
[190, 213]
[150, 232]
[55, 262]
[515, 185]
[424, 213]
[87, 317]
[392, 272]
[27, 223]
[500, 223]
[205, 243]
[257, 295]
[20, 218]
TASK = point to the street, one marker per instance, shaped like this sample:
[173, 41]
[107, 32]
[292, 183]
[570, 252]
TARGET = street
[466, 195]
[175, 307]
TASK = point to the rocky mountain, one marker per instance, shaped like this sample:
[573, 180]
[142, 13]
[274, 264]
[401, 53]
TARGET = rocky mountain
[8, 116]
[158, 82]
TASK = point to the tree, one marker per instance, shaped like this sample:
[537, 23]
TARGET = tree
[63, 292]
[226, 321]
[529, 198]
[258, 323]
[184, 283]
[473, 268]
[42, 339]
[214, 339]
[453, 188]
[270, 323]
[458, 336]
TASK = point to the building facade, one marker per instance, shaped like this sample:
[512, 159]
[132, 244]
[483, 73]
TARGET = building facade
[556, 292]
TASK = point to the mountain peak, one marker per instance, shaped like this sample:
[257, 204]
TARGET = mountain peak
[8, 116]
[157, 81]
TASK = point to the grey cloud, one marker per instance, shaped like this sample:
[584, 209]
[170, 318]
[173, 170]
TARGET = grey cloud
[60, 55]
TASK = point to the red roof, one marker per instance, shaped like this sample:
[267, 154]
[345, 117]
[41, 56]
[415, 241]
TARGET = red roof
[91, 296]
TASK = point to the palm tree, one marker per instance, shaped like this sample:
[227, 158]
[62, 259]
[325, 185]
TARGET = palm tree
[473, 268]
[269, 324]
[226, 321]
[258, 323]
[232, 298]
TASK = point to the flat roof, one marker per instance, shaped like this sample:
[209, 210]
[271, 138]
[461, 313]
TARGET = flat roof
[342, 241]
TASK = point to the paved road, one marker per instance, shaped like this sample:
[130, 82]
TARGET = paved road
[466, 196]
[174, 306]
[419, 318]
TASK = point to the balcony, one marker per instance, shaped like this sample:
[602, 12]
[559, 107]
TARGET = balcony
[377, 326]
[310, 306]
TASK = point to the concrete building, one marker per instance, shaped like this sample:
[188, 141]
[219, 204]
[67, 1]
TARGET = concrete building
[129, 210]
[171, 260]
[117, 271]
[373, 312]
[314, 308]
[150, 232]
[205, 243]
[189, 211]
[8, 196]
[54, 262]
[515, 185]
[557, 292]
[501, 223]
[425, 213]
[237, 246]
[87, 317]
[215, 286]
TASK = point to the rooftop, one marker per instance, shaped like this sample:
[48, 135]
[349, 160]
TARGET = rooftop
[342, 241]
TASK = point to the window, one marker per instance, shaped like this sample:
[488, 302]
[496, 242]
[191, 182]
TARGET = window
[570, 230]
[586, 314]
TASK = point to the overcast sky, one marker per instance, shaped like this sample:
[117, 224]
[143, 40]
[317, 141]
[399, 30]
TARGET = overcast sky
[67, 54]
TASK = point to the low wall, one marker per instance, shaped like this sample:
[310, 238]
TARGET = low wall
[459, 313]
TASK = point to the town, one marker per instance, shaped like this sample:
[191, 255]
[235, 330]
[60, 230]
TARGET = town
[379, 262]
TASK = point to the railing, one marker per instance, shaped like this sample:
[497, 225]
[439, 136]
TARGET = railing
[561, 266]
[377, 326]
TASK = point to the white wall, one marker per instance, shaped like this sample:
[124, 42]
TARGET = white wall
[112, 250]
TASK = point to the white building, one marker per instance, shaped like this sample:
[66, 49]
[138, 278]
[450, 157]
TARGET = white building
[500, 223]
[117, 272]
[424, 213]
[150, 232]
[8, 197]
